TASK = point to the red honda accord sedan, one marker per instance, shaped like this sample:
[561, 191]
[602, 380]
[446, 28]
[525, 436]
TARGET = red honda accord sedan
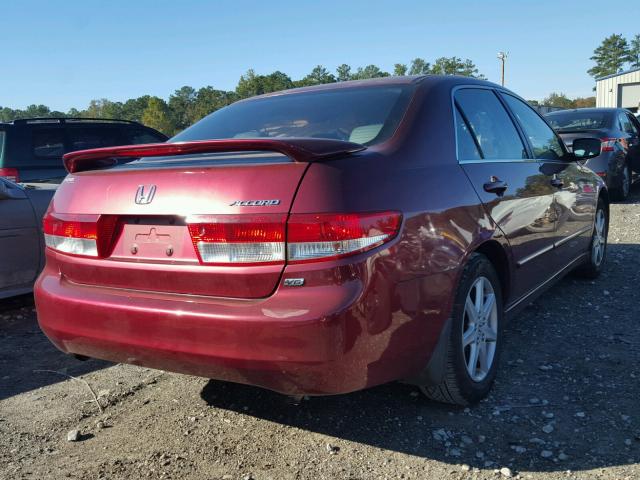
[324, 240]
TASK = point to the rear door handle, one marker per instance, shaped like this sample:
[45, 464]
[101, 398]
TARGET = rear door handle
[556, 182]
[495, 185]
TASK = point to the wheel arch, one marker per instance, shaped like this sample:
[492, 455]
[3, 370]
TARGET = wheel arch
[497, 255]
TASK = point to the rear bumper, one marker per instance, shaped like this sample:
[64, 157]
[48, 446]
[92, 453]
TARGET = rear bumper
[319, 339]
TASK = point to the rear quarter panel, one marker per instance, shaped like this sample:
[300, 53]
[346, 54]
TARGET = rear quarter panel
[413, 280]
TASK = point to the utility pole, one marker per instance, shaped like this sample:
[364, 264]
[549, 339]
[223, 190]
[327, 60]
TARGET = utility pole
[502, 56]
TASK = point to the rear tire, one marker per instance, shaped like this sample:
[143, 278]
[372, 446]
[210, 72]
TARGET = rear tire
[477, 308]
[594, 264]
[621, 193]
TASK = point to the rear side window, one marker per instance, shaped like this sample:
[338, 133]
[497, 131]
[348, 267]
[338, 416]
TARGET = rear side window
[365, 115]
[48, 143]
[490, 124]
[634, 125]
[625, 124]
[92, 137]
[467, 149]
[544, 142]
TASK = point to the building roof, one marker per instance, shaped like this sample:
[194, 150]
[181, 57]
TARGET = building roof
[633, 70]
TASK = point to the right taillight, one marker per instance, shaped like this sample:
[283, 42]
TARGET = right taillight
[608, 144]
[10, 174]
[272, 239]
[323, 236]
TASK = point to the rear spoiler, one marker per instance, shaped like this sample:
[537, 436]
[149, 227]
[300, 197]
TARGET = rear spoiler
[298, 149]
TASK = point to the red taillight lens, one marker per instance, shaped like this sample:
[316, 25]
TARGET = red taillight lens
[239, 239]
[260, 239]
[10, 174]
[86, 235]
[321, 236]
[608, 144]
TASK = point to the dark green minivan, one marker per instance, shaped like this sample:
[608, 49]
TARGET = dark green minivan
[31, 149]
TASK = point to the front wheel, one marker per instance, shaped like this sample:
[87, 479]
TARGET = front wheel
[475, 337]
[598, 246]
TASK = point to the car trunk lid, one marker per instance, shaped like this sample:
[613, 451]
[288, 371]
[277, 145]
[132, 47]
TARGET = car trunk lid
[205, 224]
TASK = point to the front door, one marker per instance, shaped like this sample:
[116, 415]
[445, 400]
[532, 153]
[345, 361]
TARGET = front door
[573, 188]
[516, 193]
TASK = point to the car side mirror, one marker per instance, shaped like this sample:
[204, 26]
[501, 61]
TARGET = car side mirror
[586, 148]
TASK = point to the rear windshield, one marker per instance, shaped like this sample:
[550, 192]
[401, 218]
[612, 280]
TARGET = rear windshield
[567, 121]
[365, 115]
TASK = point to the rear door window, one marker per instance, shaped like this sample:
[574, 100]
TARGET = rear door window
[543, 140]
[93, 137]
[48, 143]
[490, 124]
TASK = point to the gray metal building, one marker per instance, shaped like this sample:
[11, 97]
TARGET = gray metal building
[619, 90]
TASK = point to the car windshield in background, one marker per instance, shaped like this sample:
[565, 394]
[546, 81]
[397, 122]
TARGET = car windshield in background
[365, 115]
[572, 120]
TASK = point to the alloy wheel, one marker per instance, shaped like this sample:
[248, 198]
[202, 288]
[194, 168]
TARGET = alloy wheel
[480, 329]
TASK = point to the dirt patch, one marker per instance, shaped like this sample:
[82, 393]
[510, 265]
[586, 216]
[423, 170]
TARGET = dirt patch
[565, 405]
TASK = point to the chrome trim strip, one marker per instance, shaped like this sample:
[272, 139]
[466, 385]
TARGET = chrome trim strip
[543, 284]
[573, 235]
[518, 160]
[548, 248]
[528, 258]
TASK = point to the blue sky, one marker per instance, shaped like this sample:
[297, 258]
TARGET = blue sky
[65, 53]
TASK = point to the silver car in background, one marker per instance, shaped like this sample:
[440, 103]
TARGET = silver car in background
[21, 241]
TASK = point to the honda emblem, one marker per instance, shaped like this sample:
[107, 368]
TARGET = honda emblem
[143, 196]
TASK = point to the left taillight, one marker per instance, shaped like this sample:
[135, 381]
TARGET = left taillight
[239, 239]
[85, 235]
[313, 237]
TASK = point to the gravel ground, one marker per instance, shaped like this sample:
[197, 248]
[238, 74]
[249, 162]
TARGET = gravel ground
[565, 405]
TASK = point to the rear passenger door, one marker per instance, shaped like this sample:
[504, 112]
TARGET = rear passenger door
[573, 189]
[515, 193]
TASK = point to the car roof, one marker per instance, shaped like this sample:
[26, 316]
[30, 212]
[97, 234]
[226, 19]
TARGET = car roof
[425, 81]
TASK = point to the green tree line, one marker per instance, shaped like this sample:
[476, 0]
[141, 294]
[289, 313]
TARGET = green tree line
[187, 105]
[560, 100]
[614, 54]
